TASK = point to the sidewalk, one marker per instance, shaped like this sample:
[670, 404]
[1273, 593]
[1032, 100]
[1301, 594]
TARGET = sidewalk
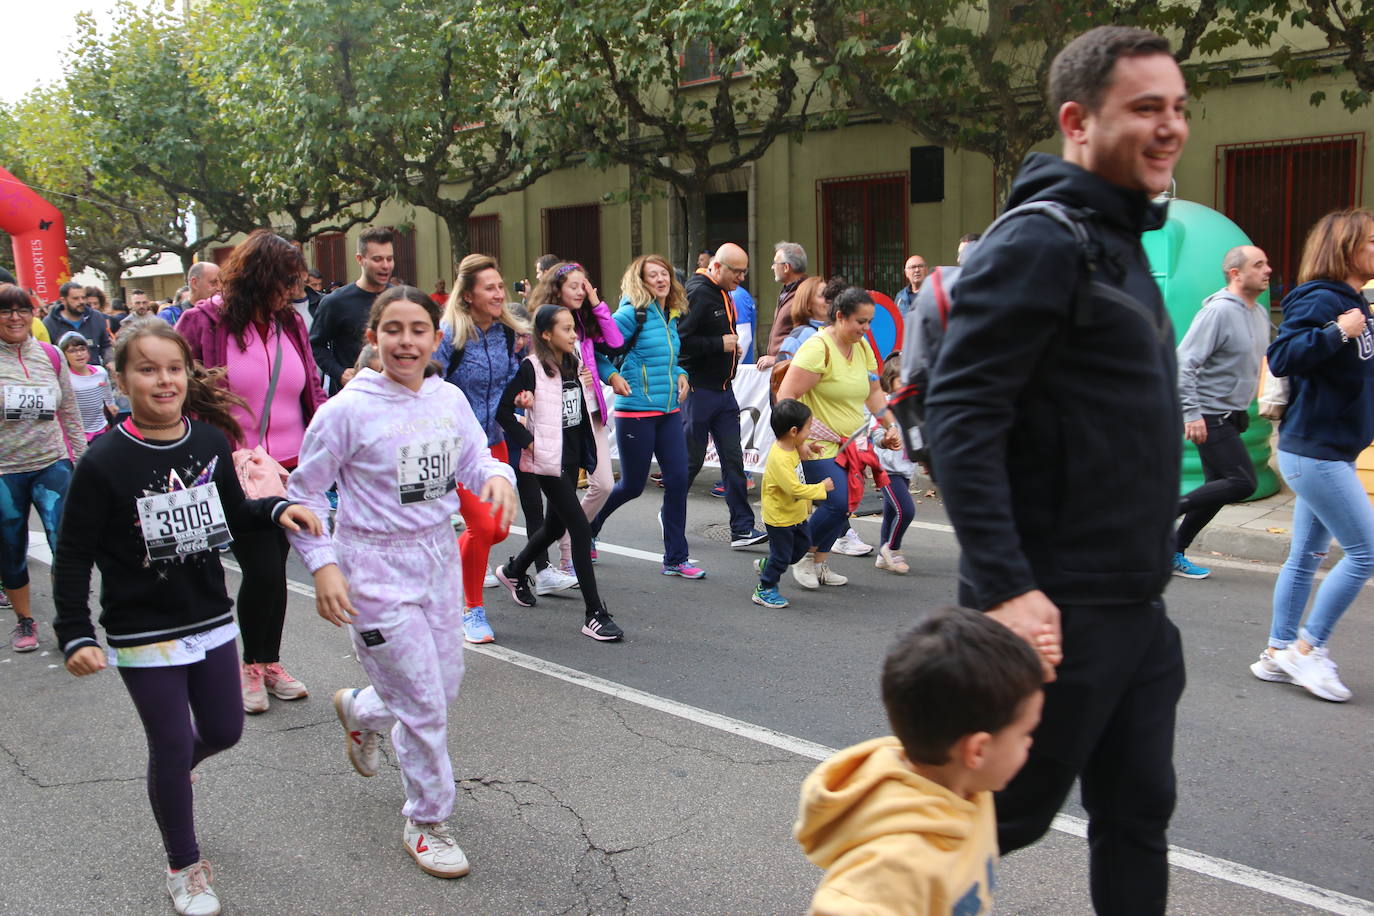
[1258, 531]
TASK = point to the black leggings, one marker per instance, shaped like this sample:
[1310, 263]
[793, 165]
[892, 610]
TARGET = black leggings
[1229, 474]
[565, 514]
[532, 507]
[262, 593]
[209, 690]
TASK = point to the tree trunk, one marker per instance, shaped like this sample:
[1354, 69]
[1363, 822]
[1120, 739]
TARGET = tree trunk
[1006, 162]
[636, 206]
[694, 199]
[457, 223]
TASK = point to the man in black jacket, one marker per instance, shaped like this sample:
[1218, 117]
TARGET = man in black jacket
[710, 354]
[1054, 426]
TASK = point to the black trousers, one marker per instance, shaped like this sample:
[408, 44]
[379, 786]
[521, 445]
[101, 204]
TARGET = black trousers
[532, 507]
[715, 414]
[1230, 476]
[1109, 721]
[565, 514]
[262, 593]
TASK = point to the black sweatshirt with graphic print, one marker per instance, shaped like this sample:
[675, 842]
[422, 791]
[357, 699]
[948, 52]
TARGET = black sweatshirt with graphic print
[145, 601]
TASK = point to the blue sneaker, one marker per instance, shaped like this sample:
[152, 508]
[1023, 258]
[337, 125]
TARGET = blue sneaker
[685, 570]
[718, 489]
[769, 597]
[1189, 570]
[475, 626]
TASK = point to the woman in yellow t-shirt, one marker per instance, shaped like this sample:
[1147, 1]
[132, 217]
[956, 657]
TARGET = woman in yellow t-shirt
[835, 374]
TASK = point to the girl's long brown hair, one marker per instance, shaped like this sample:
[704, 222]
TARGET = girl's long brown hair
[207, 398]
[257, 276]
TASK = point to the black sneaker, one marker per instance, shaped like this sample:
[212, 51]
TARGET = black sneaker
[748, 538]
[521, 589]
[600, 626]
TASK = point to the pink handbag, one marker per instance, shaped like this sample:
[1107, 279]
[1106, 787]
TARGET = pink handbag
[259, 473]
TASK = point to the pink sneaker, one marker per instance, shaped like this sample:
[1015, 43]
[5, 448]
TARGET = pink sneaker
[254, 691]
[24, 638]
[685, 570]
[281, 684]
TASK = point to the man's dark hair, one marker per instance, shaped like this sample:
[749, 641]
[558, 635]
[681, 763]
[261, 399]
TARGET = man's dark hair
[970, 237]
[788, 414]
[374, 235]
[957, 673]
[6, 276]
[68, 287]
[137, 292]
[1082, 71]
[546, 261]
[847, 301]
[314, 274]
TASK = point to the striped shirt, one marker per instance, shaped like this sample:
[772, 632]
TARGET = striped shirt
[93, 392]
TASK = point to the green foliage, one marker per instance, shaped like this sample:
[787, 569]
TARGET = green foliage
[973, 76]
[679, 91]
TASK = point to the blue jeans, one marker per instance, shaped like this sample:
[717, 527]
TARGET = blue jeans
[45, 489]
[640, 438]
[1331, 503]
[831, 518]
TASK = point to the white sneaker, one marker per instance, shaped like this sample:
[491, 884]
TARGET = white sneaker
[490, 581]
[1266, 669]
[826, 576]
[434, 849]
[1315, 672]
[891, 561]
[850, 545]
[191, 892]
[552, 579]
[360, 743]
[804, 571]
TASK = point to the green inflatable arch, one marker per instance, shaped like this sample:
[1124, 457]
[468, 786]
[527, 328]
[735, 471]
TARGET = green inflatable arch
[1185, 256]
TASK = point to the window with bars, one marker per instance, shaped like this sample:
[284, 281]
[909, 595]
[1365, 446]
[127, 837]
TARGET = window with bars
[331, 252]
[484, 235]
[863, 229]
[699, 62]
[1276, 190]
[574, 234]
[403, 244]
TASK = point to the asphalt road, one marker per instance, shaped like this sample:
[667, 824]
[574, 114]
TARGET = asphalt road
[578, 796]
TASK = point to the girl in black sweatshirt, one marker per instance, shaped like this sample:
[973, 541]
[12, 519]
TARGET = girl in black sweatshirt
[154, 503]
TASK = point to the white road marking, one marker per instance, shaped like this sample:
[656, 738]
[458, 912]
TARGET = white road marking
[1300, 892]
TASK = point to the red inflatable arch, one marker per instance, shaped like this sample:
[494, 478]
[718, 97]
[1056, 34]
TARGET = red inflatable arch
[40, 238]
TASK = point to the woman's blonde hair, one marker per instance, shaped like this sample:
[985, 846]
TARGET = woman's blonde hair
[1334, 244]
[799, 306]
[633, 287]
[457, 316]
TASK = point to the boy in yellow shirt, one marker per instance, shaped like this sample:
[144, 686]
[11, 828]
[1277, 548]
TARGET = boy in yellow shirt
[905, 824]
[786, 499]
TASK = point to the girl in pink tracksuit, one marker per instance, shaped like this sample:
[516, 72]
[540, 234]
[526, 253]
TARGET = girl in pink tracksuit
[555, 439]
[398, 443]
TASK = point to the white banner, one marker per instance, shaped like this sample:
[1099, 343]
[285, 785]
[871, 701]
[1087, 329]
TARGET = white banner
[756, 434]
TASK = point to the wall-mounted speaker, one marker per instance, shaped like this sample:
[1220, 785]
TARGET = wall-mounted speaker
[927, 174]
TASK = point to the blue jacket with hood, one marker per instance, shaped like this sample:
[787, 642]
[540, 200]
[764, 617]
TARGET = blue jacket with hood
[651, 365]
[1330, 413]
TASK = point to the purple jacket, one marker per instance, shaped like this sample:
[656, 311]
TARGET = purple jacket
[208, 338]
[607, 332]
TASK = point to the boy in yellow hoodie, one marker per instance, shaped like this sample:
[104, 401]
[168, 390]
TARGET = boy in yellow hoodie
[786, 500]
[905, 824]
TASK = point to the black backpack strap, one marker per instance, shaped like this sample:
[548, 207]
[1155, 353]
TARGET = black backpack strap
[1076, 220]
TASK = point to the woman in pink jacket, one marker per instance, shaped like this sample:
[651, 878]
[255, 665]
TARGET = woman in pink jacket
[252, 330]
[566, 284]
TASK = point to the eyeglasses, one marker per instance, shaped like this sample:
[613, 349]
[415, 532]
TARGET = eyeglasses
[25, 311]
[737, 271]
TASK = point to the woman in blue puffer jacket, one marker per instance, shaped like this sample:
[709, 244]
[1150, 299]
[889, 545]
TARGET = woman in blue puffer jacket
[649, 385]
